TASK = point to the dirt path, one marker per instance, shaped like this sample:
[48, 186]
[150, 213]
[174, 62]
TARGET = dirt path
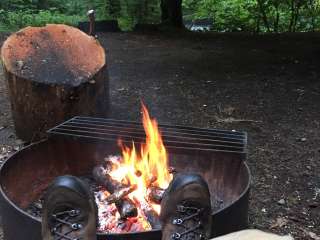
[267, 86]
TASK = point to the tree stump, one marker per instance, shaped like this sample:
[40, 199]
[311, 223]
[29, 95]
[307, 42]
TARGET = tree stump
[53, 73]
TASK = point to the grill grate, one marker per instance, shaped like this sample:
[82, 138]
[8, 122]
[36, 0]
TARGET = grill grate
[173, 136]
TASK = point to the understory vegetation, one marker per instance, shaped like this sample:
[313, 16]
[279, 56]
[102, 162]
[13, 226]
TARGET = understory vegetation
[225, 15]
[257, 15]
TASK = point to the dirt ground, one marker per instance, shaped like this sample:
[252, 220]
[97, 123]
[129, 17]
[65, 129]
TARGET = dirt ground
[268, 86]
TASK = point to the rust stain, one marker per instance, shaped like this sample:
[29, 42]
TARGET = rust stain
[54, 54]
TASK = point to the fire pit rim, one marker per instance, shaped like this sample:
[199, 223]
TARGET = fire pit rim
[26, 148]
[34, 144]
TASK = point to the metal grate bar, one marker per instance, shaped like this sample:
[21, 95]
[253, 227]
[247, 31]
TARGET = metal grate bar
[173, 136]
[193, 132]
[165, 126]
[141, 134]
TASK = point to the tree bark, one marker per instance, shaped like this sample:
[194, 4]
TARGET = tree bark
[292, 16]
[276, 22]
[113, 7]
[313, 23]
[264, 15]
[312, 10]
[53, 73]
[171, 13]
[258, 24]
[42, 4]
[297, 15]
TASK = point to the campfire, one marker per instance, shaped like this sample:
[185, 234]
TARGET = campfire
[127, 167]
[131, 186]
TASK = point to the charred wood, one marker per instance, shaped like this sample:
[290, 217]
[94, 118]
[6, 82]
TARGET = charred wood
[120, 194]
[125, 206]
[152, 216]
[172, 170]
[155, 194]
[152, 179]
[101, 176]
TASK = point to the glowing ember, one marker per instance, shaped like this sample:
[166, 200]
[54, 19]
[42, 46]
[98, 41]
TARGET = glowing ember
[109, 218]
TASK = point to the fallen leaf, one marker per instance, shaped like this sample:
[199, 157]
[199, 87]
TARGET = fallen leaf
[121, 89]
[282, 202]
[279, 223]
[313, 235]
[229, 110]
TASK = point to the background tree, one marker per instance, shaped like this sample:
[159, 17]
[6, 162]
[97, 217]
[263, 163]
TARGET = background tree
[171, 13]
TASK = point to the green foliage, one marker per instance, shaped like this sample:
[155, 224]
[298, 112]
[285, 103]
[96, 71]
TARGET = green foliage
[18, 19]
[133, 12]
[230, 15]
[15, 14]
[257, 15]
[227, 15]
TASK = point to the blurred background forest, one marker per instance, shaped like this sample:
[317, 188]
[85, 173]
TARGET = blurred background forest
[221, 15]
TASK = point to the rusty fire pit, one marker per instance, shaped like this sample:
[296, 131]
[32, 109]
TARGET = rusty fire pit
[78, 145]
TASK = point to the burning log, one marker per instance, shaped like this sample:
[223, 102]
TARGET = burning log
[118, 191]
[53, 73]
[151, 180]
[120, 194]
[126, 208]
[151, 215]
[102, 177]
[155, 194]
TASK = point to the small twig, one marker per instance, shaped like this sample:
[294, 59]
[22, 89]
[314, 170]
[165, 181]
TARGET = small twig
[232, 120]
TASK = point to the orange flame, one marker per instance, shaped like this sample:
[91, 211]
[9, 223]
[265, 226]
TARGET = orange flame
[151, 162]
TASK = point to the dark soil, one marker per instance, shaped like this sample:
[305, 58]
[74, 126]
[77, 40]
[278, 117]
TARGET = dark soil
[268, 86]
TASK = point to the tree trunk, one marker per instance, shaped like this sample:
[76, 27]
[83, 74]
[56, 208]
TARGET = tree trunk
[171, 13]
[276, 22]
[258, 24]
[113, 7]
[42, 4]
[296, 16]
[313, 23]
[264, 15]
[312, 10]
[292, 16]
[53, 73]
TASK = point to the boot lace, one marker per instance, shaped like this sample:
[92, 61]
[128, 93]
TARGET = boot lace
[190, 222]
[63, 220]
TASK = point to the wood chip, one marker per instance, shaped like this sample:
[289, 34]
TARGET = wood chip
[279, 223]
[233, 120]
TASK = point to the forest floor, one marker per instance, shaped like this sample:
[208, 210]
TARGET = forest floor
[268, 86]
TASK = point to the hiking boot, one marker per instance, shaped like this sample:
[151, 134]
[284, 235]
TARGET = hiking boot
[186, 209]
[69, 211]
